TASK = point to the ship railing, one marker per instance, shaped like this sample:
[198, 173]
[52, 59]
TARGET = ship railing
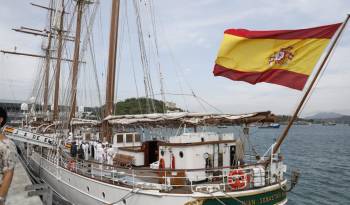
[167, 180]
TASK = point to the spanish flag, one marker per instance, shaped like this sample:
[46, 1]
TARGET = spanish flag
[283, 57]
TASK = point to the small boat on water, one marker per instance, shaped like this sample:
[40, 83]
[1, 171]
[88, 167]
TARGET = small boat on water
[270, 125]
[329, 123]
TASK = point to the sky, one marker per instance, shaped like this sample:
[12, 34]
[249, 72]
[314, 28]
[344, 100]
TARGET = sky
[189, 35]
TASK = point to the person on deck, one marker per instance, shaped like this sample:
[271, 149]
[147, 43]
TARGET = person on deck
[73, 150]
[81, 152]
[95, 149]
[7, 159]
[104, 154]
[85, 147]
[92, 149]
[99, 151]
[110, 153]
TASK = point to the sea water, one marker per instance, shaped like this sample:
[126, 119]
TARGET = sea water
[321, 153]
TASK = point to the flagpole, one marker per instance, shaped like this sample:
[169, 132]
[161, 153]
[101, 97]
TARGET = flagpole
[297, 111]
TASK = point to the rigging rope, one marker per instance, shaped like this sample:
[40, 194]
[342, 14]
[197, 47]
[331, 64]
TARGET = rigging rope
[144, 59]
[132, 59]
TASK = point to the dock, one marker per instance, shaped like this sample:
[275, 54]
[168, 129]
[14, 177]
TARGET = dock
[17, 194]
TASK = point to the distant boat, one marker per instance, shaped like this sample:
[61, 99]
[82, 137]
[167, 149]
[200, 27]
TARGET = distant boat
[303, 123]
[329, 123]
[271, 125]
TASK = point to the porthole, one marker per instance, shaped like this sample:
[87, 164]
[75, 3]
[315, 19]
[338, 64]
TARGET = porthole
[181, 154]
[87, 187]
[162, 152]
[104, 195]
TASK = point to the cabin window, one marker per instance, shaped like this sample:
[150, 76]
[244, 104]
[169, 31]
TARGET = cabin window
[128, 137]
[162, 152]
[181, 154]
[104, 195]
[137, 138]
[88, 189]
[119, 138]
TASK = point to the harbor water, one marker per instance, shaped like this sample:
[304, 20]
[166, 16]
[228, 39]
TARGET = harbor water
[322, 155]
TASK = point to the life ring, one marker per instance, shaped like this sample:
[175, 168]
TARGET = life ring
[238, 179]
[161, 163]
[71, 165]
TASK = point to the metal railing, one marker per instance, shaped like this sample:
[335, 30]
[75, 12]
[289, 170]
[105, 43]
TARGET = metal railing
[166, 180]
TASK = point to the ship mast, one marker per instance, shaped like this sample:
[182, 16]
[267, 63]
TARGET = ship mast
[110, 84]
[306, 95]
[73, 99]
[47, 65]
[58, 64]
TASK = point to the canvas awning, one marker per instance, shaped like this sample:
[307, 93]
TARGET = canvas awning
[168, 119]
[82, 122]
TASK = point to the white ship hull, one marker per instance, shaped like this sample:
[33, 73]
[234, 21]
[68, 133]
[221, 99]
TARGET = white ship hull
[73, 188]
[81, 190]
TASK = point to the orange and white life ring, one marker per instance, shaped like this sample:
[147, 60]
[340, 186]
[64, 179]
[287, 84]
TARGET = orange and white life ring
[161, 163]
[238, 179]
[71, 165]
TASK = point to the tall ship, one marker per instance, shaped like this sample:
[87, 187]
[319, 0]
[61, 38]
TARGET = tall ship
[190, 166]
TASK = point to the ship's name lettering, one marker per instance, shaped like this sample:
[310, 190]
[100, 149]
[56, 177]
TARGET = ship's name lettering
[272, 197]
[250, 202]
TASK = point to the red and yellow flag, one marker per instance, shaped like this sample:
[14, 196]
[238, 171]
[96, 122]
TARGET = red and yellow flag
[283, 57]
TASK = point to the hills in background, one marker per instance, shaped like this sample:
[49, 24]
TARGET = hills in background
[330, 117]
[319, 118]
[325, 115]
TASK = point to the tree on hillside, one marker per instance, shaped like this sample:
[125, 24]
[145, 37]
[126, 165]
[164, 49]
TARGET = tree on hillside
[133, 106]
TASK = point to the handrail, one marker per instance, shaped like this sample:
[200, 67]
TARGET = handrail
[222, 184]
[174, 170]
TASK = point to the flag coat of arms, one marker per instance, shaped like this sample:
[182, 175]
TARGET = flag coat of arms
[283, 57]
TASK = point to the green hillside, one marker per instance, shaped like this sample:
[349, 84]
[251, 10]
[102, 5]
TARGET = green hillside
[133, 106]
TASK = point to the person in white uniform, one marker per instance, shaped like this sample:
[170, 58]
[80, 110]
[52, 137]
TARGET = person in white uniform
[110, 153]
[85, 147]
[95, 149]
[99, 153]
